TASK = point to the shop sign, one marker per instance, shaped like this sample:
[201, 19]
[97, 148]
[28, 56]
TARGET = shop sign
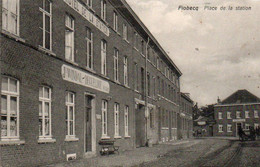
[83, 11]
[202, 123]
[239, 120]
[85, 79]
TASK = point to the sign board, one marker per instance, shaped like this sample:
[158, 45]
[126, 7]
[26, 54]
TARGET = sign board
[83, 78]
[83, 11]
[202, 123]
[239, 120]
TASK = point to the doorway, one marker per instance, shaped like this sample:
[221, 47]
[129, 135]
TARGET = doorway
[89, 125]
[238, 125]
[140, 126]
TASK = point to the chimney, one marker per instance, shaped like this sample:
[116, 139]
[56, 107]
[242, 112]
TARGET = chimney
[219, 101]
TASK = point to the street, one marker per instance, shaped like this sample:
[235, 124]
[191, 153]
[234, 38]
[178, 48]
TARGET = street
[216, 153]
[190, 153]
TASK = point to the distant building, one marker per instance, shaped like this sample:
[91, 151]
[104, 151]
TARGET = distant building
[184, 118]
[203, 126]
[241, 109]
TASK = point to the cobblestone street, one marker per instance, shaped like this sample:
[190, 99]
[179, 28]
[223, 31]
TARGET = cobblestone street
[214, 153]
[190, 153]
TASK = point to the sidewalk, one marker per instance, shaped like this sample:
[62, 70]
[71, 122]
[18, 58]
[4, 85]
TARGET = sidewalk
[132, 157]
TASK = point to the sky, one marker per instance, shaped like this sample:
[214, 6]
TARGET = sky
[218, 52]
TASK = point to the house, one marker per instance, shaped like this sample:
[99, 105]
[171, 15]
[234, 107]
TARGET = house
[241, 109]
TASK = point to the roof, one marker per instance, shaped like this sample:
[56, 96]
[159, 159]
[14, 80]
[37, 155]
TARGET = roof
[241, 96]
[131, 16]
[186, 96]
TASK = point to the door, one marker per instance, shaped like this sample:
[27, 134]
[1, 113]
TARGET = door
[140, 126]
[238, 125]
[88, 123]
[210, 130]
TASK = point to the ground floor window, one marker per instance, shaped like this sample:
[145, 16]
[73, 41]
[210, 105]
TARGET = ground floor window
[247, 126]
[44, 112]
[126, 121]
[229, 128]
[116, 119]
[70, 114]
[220, 128]
[104, 118]
[9, 108]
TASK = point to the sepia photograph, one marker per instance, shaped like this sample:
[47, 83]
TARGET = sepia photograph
[130, 83]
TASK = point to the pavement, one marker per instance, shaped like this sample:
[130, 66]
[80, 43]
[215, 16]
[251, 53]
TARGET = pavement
[133, 157]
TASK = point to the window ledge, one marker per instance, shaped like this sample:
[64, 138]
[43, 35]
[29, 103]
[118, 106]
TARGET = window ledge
[13, 36]
[104, 76]
[117, 137]
[91, 70]
[71, 62]
[12, 142]
[127, 136]
[136, 49]
[46, 51]
[118, 33]
[46, 140]
[126, 41]
[71, 139]
[165, 128]
[105, 137]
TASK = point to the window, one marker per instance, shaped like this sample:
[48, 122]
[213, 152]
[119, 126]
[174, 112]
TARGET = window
[135, 39]
[157, 63]
[44, 112]
[142, 80]
[219, 115]
[220, 128]
[148, 84]
[116, 52]
[116, 119]
[69, 38]
[103, 9]
[104, 118]
[256, 125]
[136, 76]
[46, 26]
[142, 47]
[229, 128]
[115, 21]
[125, 71]
[70, 114]
[125, 32]
[256, 114]
[151, 116]
[247, 126]
[89, 3]
[103, 57]
[9, 108]
[89, 39]
[246, 114]
[148, 53]
[10, 16]
[126, 121]
[238, 114]
[229, 115]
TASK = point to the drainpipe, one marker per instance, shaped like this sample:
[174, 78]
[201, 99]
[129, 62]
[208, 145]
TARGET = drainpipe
[146, 94]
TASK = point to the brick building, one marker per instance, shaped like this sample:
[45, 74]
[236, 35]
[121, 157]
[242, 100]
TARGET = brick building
[74, 72]
[185, 121]
[241, 109]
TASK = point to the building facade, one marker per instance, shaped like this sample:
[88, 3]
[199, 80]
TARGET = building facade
[74, 72]
[241, 109]
[185, 120]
